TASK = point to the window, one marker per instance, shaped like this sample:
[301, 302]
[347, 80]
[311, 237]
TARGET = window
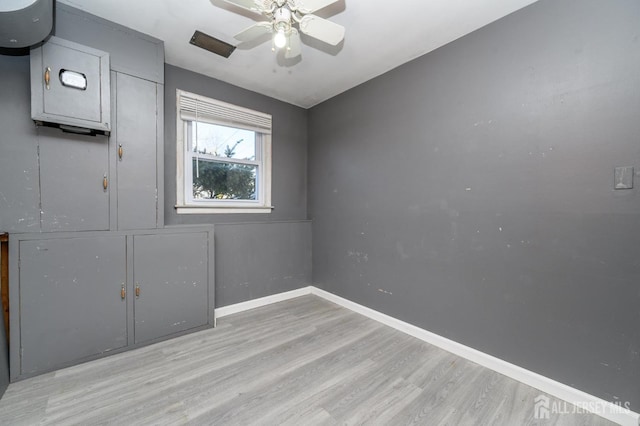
[223, 157]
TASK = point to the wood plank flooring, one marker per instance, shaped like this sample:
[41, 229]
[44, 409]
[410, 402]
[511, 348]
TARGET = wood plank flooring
[301, 362]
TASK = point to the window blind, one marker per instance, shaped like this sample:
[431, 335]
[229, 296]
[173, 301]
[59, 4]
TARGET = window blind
[222, 113]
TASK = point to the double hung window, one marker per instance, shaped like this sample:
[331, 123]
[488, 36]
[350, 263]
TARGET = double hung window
[223, 157]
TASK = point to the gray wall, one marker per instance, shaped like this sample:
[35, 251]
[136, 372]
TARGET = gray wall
[260, 259]
[470, 192]
[256, 254]
[289, 148]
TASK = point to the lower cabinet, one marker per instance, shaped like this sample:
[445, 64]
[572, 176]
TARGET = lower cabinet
[70, 300]
[80, 297]
[170, 279]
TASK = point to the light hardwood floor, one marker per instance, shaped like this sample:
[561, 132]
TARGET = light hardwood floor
[301, 362]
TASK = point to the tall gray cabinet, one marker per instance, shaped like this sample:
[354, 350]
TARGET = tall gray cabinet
[98, 273]
[135, 152]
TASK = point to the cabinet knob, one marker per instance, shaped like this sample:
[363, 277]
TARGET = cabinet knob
[123, 292]
[47, 77]
[105, 182]
[120, 151]
[137, 290]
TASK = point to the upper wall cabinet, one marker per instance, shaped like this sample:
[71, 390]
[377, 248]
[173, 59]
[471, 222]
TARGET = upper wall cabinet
[75, 183]
[93, 74]
[99, 183]
[70, 86]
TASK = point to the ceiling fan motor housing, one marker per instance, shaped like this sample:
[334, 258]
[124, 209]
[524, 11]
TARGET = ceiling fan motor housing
[282, 18]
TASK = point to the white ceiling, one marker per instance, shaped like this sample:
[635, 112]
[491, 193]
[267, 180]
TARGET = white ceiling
[380, 35]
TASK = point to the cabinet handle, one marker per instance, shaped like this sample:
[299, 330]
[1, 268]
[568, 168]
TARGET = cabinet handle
[105, 182]
[120, 151]
[47, 77]
[137, 290]
[123, 292]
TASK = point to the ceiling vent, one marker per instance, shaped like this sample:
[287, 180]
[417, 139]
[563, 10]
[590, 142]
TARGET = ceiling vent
[212, 44]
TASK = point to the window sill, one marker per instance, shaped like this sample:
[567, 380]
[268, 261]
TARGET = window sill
[221, 210]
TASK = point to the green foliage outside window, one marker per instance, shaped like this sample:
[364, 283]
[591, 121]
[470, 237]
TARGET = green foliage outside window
[219, 180]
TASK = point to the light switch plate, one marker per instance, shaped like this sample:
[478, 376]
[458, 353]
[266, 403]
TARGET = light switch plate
[624, 178]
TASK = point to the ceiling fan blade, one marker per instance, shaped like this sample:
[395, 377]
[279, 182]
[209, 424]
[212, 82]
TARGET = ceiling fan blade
[310, 6]
[293, 49]
[257, 6]
[322, 29]
[254, 31]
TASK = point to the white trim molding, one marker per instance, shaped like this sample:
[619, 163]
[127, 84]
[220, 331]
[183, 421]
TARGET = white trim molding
[263, 301]
[585, 401]
[221, 210]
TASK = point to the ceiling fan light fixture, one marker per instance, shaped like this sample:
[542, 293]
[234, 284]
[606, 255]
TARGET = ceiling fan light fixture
[281, 27]
[280, 38]
[287, 19]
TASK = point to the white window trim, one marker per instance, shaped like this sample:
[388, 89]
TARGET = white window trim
[185, 203]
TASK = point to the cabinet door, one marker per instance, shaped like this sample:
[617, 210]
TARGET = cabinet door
[172, 274]
[19, 175]
[136, 113]
[72, 171]
[70, 85]
[70, 297]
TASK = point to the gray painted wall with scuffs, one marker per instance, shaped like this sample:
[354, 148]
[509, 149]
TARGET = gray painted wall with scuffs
[470, 192]
[260, 259]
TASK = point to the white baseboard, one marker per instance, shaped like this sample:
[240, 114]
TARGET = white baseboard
[263, 301]
[583, 400]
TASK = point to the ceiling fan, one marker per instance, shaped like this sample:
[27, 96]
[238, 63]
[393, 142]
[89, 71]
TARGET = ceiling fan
[287, 19]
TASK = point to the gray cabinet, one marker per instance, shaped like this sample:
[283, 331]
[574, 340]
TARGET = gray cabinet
[70, 297]
[170, 277]
[70, 85]
[19, 174]
[95, 182]
[82, 190]
[74, 181]
[79, 296]
[135, 149]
